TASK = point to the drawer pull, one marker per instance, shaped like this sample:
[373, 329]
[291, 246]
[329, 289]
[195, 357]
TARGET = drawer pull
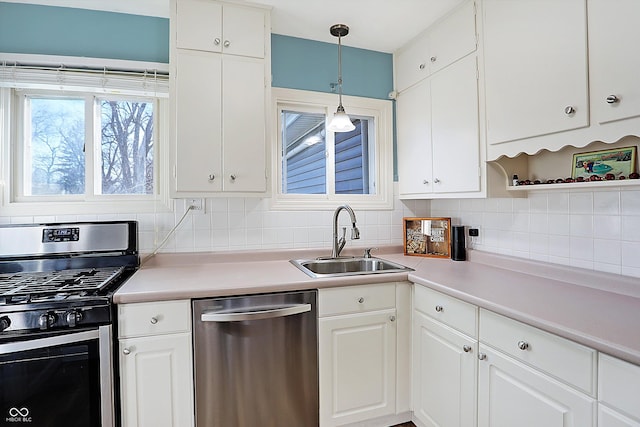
[482, 356]
[466, 348]
[126, 351]
[154, 320]
[523, 345]
[439, 308]
[361, 300]
[392, 318]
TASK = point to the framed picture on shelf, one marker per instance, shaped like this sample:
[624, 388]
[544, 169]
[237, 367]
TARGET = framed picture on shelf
[617, 162]
[428, 237]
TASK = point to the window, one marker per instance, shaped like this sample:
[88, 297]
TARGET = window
[89, 145]
[317, 168]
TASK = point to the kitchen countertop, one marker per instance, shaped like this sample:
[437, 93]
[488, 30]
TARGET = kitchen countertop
[599, 310]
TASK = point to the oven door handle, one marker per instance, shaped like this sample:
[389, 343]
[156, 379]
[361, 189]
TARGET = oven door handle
[268, 313]
[12, 347]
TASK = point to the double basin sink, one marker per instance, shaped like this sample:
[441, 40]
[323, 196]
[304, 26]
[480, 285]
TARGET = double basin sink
[338, 267]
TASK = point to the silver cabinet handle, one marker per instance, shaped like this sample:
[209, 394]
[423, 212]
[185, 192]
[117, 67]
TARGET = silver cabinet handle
[267, 313]
[126, 351]
[216, 41]
[232, 177]
[422, 66]
[153, 320]
[227, 43]
[466, 348]
[523, 345]
[392, 318]
[434, 58]
[212, 177]
[612, 99]
[439, 308]
[361, 300]
[482, 356]
[425, 182]
[437, 181]
[568, 110]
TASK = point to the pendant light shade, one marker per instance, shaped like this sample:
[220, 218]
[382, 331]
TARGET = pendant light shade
[341, 121]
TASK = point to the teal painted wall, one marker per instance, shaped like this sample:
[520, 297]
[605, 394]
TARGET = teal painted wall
[311, 65]
[47, 30]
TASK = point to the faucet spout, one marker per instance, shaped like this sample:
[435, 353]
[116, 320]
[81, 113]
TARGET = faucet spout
[338, 243]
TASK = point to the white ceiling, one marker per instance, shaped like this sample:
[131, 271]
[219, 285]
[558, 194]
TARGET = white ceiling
[381, 25]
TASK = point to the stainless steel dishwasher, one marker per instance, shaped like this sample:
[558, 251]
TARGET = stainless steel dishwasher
[256, 360]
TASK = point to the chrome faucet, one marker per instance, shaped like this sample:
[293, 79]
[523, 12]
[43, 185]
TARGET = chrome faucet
[338, 244]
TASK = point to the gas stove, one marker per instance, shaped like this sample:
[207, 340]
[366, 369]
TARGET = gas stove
[61, 277]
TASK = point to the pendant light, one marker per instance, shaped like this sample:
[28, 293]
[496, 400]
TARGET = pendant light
[340, 122]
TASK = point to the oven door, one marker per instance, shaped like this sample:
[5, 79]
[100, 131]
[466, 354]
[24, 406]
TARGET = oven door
[61, 380]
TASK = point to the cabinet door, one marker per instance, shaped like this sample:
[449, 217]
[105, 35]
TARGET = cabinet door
[444, 372]
[199, 25]
[412, 62]
[454, 128]
[198, 121]
[357, 363]
[156, 381]
[613, 58]
[453, 37]
[244, 132]
[244, 31]
[535, 67]
[513, 394]
[413, 110]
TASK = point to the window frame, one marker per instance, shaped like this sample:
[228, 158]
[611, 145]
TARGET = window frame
[307, 101]
[13, 202]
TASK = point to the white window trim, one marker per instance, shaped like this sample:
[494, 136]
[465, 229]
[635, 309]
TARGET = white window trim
[10, 205]
[380, 110]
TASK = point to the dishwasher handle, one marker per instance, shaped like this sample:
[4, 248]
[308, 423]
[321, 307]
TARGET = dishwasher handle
[270, 313]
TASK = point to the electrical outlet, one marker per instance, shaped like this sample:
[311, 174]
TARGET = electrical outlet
[196, 204]
[473, 232]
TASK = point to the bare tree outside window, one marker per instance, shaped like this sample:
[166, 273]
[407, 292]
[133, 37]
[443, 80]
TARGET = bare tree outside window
[57, 148]
[127, 147]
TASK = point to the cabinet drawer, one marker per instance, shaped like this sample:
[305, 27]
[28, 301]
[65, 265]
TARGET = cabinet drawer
[619, 385]
[151, 318]
[458, 314]
[566, 360]
[356, 299]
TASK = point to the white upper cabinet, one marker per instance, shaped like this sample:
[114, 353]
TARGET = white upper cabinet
[613, 59]
[535, 54]
[214, 27]
[219, 64]
[442, 44]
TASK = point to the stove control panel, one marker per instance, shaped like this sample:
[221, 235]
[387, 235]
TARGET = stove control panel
[65, 234]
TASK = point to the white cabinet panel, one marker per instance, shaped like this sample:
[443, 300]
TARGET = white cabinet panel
[444, 371]
[157, 381]
[357, 364]
[619, 385]
[513, 394]
[607, 417]
[453, 38]
[535, 54]
[413, 111]
[412, 63]
[614, 63]
[455, 130]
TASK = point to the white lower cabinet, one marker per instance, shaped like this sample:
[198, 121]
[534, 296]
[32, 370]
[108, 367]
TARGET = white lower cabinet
[156, 368]
[618, 393]
[514, 394]
[357, 353]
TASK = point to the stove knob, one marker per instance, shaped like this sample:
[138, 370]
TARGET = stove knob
[47, 320]
[73, 318]
[5, 322]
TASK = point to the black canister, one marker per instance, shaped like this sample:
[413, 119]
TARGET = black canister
[458, 252]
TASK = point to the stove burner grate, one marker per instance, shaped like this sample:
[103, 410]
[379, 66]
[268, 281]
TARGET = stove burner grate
[31, 286]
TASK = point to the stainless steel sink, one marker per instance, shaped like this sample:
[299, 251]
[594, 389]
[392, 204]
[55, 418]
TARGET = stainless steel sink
[335, 267]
